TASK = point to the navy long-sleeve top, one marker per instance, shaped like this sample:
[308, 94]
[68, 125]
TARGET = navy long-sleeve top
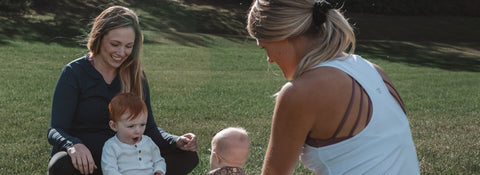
[80, 110]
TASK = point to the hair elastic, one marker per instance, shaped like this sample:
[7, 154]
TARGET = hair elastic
[320, 9]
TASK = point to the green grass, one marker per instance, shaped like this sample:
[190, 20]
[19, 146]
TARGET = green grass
[212, 82]
[202, 83]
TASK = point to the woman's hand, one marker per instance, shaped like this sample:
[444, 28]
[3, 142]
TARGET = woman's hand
[82, 158]
[187, 142]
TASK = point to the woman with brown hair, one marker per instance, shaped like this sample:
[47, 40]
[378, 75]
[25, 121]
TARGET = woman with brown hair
[79, 120]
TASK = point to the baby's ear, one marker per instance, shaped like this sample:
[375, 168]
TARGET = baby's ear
[217, 158]
[113, 125]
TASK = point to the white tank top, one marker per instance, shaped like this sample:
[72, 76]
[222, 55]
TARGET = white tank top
[384, 146]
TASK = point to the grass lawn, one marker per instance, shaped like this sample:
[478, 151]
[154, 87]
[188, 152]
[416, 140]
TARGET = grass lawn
[218, 82]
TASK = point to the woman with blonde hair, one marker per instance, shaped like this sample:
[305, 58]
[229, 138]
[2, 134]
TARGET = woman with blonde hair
[339, 113]
[79, 120]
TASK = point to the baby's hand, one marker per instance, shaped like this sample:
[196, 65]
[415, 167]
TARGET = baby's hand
[158, 173]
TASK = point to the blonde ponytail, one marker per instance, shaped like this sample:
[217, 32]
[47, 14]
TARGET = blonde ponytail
[276, 20]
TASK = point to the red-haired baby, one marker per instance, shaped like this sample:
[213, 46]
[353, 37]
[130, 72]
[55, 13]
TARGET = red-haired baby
[129, 151]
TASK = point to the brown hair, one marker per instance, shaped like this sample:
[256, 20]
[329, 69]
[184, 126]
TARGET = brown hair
[126, 103]
[130, 71]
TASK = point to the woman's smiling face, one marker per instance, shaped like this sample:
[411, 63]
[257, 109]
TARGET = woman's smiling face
[116, 47]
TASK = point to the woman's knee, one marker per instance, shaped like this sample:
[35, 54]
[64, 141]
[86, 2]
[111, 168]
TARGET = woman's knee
[61, 163]
[181, 162]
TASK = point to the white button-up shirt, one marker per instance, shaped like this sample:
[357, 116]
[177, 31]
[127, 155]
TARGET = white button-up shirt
[141, 158]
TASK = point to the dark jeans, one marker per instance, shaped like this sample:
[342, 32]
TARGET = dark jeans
[178, 163]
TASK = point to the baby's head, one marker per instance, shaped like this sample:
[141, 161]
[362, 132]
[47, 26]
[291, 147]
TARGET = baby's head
[128, 117]
[229, 148]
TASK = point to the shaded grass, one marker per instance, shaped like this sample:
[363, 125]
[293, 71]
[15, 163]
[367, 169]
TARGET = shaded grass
[51, 21]
[415, 28]
[226, 82]
[455, 56]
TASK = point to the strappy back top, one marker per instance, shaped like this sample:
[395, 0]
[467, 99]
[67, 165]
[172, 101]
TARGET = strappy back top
[335, 139]
[384, 146]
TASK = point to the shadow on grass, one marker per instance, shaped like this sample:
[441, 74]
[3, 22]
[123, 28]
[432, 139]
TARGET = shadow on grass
[416, 28]
[63, 22]
[34, 31]
[67, 22]
[184, 23]
[451, 56]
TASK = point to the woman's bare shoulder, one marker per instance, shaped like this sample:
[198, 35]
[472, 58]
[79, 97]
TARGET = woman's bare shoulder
[323, 87]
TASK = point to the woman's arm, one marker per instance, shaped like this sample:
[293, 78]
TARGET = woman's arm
[292, 121]
[63, 108]
[61, 139]
[309, 106]
[65, 99]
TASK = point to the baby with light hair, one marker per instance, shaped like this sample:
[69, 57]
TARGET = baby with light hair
[229, 151]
